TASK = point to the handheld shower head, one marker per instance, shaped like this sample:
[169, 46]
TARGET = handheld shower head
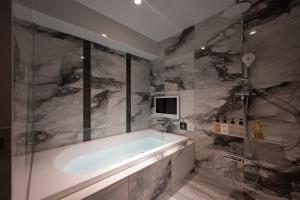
[248, 59]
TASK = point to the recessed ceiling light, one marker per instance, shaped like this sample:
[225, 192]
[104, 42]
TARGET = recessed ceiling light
[252, 32]
[137, 2]
[203, 48]
[82, 57]
[104, 35]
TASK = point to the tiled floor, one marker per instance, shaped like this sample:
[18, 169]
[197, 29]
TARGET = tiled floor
[201, 187]
[197, 188]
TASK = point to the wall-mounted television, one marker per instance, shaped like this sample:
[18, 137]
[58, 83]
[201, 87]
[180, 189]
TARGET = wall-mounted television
[166, 106]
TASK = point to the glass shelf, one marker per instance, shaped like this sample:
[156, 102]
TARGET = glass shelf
[269, 141]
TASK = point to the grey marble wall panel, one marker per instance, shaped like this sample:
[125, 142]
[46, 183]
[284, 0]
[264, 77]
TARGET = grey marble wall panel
[180, 43]
[219, 64]
[174, 73]
[108, 83]
[140, 94]
[57, 88]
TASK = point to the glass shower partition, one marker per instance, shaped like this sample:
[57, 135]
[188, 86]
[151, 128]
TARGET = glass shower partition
[22, 125]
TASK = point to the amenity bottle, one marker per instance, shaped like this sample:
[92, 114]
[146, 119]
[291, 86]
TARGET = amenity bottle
[240, 129]
[217, 126]
[232, 127]
[224, 127]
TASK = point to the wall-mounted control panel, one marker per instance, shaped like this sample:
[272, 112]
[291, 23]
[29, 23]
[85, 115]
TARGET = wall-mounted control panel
[183, 126]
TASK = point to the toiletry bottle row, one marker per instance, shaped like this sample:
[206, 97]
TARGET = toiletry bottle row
[228, 128]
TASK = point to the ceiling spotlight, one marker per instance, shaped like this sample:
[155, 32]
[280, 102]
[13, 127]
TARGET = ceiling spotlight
[104, 35]
[203, 48]
[82, 57]
[137, 2]
[252, 32]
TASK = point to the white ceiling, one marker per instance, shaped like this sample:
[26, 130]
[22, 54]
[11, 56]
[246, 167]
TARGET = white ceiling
[158, 19]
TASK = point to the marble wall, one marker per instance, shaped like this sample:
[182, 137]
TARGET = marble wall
[208, 79]
[56, 90]
[108, 84]
[173, 75]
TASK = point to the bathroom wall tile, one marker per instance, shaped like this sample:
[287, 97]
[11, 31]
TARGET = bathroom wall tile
[58, 89]
[118, 191]
[212, 102]
[179, 44]
[175, 73]
[108, 83]
[216, 70]
[286, 70]
[269, 12]
[207, 30]
[220, 62]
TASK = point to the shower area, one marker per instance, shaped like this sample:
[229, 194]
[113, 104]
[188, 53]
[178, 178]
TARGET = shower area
[241, 64]
[245, 69]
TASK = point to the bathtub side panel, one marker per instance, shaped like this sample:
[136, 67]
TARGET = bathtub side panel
[117, 191]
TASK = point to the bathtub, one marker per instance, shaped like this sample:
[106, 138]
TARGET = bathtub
[61, 171]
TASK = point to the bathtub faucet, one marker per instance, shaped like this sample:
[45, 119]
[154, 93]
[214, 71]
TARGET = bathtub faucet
[165, 125]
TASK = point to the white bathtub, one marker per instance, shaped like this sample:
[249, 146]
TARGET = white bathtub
[59, 172]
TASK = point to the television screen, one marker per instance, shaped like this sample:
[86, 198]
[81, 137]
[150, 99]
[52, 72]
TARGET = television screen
[166, 105]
